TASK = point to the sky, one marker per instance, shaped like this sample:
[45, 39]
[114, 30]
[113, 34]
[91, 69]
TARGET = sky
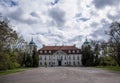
[61, 22]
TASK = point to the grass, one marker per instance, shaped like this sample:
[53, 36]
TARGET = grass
[113, 68]
[12, 71]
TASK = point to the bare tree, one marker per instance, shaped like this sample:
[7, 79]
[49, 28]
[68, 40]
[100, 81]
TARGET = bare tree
[114, 41]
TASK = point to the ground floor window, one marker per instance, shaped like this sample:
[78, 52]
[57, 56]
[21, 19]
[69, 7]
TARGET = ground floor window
[73, 63]
[78, 63]
[40, 63]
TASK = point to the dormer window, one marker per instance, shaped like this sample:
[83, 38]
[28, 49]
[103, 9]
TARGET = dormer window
[49, 51]
[41, 52]
[73, 51]
[69, 51]
[45, 51]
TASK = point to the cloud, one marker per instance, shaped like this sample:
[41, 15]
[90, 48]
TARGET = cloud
[103, 3]
[60, 22]
[58, 16]
[114, 17]
[9, 3]
[34, 14]
[83, 19]
[79, 17]
[18, 15]
[100, 34]
[55, 2]
[94, 24]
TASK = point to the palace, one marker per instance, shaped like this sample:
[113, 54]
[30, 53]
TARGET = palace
[58, 55]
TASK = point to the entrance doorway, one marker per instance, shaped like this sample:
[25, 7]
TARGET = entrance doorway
[59, 63]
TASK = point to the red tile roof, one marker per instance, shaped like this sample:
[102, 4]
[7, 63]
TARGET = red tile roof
[59, 48]
[53, 49]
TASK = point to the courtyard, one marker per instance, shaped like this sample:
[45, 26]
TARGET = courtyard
[62, 75]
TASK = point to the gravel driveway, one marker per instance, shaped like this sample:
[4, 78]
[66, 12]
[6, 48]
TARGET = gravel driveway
[62, 75]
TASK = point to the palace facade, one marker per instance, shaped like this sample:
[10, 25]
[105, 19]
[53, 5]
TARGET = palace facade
[58, 55]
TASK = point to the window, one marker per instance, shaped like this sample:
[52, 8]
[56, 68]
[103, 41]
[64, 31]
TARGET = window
[49, 58]
[73, 57]
[65, 62]
[69, 51]
[78, 63]
[74, 63]
[40, 51]
[69, 58]
[40, 57]
[61, 57]
[78, 57]
[73, 51]
[65, 57]
[45, 57]
[45, 51]
[78, 51]
[45, 63]
[49, 51]
[69, 63]
[40, 63]
[53, 63]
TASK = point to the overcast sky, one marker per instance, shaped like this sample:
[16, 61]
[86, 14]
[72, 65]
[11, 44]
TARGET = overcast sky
[57, 22]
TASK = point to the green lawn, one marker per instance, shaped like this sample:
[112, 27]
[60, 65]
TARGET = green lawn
[12, 71]
[113, 68]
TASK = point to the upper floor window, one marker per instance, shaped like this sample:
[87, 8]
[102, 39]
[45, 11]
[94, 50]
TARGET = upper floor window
[61, 57]
[49, 58]
[73, 57]
[69, 57]
[65, 57]
[45, 57]
[78, 57]
[40, 58]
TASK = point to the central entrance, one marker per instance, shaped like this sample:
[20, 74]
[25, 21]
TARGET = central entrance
[59, 62]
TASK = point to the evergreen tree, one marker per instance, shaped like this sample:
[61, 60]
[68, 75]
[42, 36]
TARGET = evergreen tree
[29, 61]
[96, 54]
[35, 59]
[87, 56]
